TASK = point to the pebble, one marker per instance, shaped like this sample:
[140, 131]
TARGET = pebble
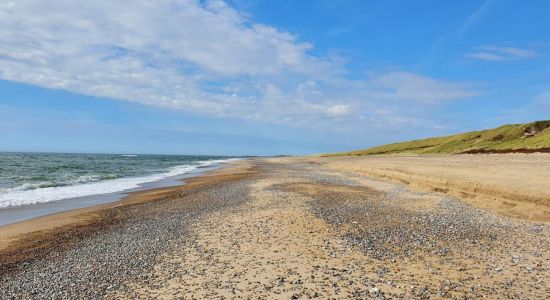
[384, 228]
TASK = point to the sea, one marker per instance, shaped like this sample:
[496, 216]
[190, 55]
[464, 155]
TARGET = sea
[34, 184]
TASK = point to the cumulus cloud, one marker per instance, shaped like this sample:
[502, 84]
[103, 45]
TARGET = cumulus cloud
[494, 53]
[199, 56]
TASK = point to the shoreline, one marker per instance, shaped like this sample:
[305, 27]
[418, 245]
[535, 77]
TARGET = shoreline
[473, 194]
[21, 241]
[18, 213]
[282, 228]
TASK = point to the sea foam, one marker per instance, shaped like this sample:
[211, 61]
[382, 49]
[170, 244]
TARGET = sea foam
[20, 196]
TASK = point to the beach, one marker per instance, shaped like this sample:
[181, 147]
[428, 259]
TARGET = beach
[383, 227]
[40, 184]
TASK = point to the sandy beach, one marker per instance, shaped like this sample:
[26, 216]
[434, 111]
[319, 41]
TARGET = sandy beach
[419, 227]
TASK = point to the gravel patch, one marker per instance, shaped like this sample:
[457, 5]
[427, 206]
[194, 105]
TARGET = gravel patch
[447, 249]
[107, 260]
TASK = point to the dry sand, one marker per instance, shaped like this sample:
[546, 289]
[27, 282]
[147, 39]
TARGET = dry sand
[517, 185]
[300, 228]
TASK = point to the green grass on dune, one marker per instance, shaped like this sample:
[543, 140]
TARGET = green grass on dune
[507, 138]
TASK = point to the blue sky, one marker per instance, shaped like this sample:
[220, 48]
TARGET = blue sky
[265, 77]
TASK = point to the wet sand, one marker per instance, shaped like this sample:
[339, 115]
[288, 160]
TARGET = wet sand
[18, 214]
[292, 228]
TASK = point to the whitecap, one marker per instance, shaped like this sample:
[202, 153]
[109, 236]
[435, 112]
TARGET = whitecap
[17, 197]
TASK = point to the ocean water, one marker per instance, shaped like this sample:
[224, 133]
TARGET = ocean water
[31, 178]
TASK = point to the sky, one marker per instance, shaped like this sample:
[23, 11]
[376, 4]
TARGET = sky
[265, 77]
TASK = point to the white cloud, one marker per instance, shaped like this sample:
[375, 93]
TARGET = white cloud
[494, 53]
[411, 87]
[198, 56]
[514, 52]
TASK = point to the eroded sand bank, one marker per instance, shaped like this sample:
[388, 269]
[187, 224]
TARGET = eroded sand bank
[517, 185]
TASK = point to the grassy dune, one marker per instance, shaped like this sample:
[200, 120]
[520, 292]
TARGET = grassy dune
[531, 137]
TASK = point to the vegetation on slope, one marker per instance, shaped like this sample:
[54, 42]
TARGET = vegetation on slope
[531, 137]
